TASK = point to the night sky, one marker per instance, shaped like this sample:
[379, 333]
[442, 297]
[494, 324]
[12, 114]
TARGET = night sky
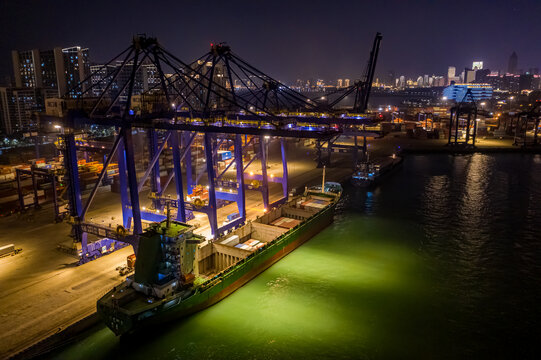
[289, 39]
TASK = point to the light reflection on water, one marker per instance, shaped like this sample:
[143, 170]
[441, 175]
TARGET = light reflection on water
[441, 261]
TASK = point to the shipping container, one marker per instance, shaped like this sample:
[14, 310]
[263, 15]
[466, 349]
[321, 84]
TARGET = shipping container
[233, 216]
[231, 241]
[224, 155]
[131, 261]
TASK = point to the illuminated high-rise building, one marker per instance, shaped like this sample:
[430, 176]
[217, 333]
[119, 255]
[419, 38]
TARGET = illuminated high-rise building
[513, 63]
[58, 68]
[451, 75]
[39, 75]
[477, 65]
[99, 75]
[402, 82]
[76, 67]
[469, 76]
[37, 68]
[18, 105]
[390, 78]
[339, 83]
[346, 82]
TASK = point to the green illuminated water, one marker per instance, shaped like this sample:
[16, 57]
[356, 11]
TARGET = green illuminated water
[441, 261]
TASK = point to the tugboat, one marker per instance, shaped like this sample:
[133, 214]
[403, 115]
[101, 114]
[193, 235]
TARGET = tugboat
[370, 173]
[178, 273]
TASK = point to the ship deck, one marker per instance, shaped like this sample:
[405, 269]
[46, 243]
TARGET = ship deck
[216, 258]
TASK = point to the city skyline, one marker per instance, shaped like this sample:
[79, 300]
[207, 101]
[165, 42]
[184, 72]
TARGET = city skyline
[275, 36]
[339, 80]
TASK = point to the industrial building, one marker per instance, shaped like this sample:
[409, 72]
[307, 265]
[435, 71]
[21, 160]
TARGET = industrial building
[458, 92]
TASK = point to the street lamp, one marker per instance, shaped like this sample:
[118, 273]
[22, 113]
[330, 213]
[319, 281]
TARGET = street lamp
[59, 128]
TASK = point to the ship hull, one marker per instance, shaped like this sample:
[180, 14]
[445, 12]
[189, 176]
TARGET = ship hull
[122, 323]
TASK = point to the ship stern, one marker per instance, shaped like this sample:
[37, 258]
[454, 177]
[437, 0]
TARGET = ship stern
[117, 319]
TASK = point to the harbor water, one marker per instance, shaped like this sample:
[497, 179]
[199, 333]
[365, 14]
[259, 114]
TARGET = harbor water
[441, 261]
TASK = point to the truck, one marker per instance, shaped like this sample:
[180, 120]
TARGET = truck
[8, 250]
[224, 155]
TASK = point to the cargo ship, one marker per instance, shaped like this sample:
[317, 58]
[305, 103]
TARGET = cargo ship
[178, 273]
[370, 173]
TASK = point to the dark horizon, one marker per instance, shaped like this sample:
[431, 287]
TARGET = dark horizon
[305, 39]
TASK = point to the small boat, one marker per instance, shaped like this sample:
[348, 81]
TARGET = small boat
[370, 173]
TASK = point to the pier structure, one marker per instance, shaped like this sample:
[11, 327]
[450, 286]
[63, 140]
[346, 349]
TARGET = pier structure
[49, 182]
[527, 126]
[217, 106]
[463, 121]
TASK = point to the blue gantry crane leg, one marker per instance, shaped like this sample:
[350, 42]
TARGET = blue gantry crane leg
[74, 191]
[265, 179]
[154, 150]
[186, 153]
[123, 183]
[285, 174]
[241, 193]
[181, 210]
[214, 155]
[213, 221]
[132, 180]
[153, 166]
[189, 176]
